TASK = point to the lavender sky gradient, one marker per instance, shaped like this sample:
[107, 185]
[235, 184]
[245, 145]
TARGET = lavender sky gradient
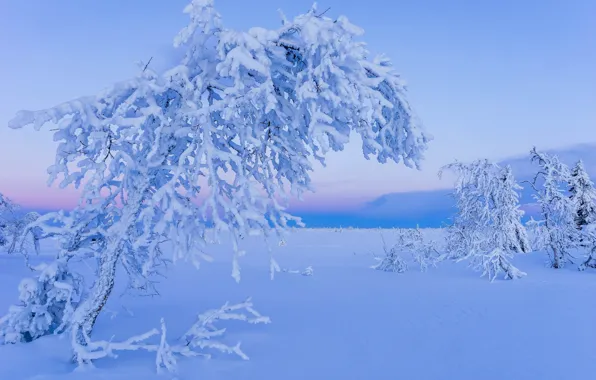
[488, 78]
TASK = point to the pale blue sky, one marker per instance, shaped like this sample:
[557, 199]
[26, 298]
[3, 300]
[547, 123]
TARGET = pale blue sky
[488, 78]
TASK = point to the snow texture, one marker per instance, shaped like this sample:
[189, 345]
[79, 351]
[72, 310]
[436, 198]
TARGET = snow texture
[346, 322]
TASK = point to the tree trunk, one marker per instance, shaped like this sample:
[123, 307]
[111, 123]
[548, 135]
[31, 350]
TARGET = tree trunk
[556, 259]
[87, 312]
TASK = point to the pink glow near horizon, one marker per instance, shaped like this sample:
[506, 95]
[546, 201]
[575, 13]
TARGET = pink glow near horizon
[34, 193]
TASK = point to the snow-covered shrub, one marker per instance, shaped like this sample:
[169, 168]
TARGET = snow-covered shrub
[408, 240]
[45, 303]
[244, 112]
[557, 231]
[392, 260]
[487, 229]
[424, 251]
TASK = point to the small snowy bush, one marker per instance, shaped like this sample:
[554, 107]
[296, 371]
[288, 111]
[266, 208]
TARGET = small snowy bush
[45, 303]
[424, 253]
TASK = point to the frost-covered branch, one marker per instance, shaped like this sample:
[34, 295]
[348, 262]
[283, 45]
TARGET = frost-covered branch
[200, 337]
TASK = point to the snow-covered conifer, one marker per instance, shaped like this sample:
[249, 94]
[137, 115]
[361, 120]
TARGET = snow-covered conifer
[557, 231]
[245, 111]
[487, 228]
[583, 194]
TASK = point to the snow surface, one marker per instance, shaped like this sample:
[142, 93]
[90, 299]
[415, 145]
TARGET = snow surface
[346, 321]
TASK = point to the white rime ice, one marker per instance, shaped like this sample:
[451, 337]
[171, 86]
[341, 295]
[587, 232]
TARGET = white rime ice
[487, 229]
[557, 230]
[242, 115]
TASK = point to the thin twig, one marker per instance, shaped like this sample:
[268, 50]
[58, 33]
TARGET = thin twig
[325, 11]
[147, 65]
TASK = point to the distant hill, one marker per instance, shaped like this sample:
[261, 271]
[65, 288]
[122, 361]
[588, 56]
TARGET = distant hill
[433, 208]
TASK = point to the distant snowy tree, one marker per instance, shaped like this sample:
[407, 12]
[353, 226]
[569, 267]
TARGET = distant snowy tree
[487, 228]
[557, 231]
[583, 194]
[6, 214]
[588, 234]
[242, 112]
[15, 235]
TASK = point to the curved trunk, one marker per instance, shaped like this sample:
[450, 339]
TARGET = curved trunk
[87, 312]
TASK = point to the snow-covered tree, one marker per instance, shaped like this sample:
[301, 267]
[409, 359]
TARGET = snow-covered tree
[557, 231]
[588, 240]
[15, 235]
[487, 228]
[583, 194]
[244, 114]
[6, 212]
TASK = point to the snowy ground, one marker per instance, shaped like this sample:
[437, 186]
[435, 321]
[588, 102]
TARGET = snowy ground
[346, 321]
